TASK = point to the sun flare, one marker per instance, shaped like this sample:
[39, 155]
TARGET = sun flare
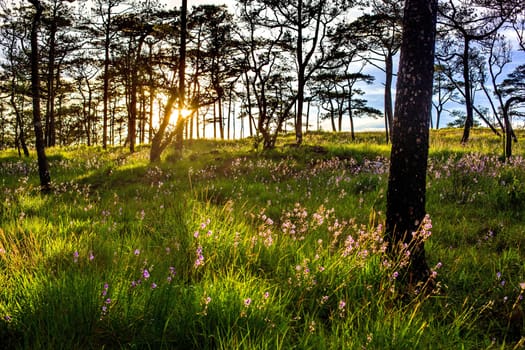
[184, 112]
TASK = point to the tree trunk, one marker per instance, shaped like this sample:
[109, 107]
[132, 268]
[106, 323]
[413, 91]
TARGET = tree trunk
[409, 156]
[179, 127]
[50, 106]
[19, 118]
[389, 72]
[351, 116]
[509, 132]
[158, 144]
[43, 166]
[249, 102]
[469, 122]
[132, 126]
[105, 77]
[300, 76]
[221, 118]
[308, 114]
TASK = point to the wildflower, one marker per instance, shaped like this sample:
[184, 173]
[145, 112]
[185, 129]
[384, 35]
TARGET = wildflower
[247, 302]
[105, 289]
[145, 274]
[136, 252]
[311, 327]
[75, 256]
[369, 338]
[91, 256]
[498, 275]
[395, 275]
[133, 284]
[209, 233]
[342, 304]
[7, 318]
[324, 299]
[196, 234]
[200, 258]
[439, 265]
[266, 295]
[207, 300]
[153, 285]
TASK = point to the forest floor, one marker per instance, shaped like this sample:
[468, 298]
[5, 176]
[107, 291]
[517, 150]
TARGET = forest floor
[235, 248]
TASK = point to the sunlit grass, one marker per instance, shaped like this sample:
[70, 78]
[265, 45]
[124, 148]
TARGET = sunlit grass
[232, 248]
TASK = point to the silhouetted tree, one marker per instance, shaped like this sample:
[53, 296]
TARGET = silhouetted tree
[469, 22]
[302, 27]
[380, 33]
[103, 27]
[514, 89]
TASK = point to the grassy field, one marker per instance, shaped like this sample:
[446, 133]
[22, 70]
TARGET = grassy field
[232, 248]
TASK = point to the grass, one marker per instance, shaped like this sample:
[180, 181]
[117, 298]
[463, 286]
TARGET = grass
[231, 248]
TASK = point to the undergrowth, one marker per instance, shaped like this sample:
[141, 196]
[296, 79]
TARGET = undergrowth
[231, 248]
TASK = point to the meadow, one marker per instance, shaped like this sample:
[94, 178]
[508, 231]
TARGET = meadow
[234, 248]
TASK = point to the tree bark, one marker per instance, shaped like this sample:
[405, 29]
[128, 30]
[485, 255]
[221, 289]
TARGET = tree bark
[105, 77]
[509, 133]
[409, 156]
[469, 121]
[50, 137]
[43, 166]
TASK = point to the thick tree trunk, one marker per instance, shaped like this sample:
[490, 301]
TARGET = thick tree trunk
[159, 143]
[43, 166]
[408, 163]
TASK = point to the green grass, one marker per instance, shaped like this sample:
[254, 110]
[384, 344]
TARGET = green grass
[235, 248]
